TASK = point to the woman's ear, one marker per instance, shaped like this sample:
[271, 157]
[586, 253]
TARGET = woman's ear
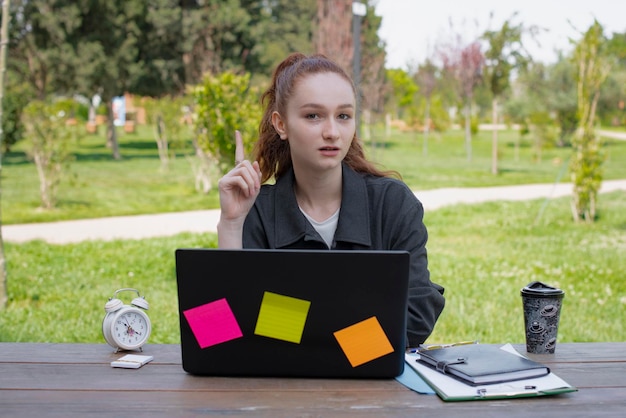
[279, 125]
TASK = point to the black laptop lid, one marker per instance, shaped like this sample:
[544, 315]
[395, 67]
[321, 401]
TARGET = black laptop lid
[292, 312]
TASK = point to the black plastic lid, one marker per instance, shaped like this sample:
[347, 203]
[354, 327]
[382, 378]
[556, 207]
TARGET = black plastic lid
[541, 290]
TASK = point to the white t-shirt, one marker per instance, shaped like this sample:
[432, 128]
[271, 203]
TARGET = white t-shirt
[325, 228]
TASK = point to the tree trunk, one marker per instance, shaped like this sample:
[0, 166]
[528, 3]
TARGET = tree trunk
[160, 135]
[468, 131]
[494, 141]
[426, 127]
[3, 65]
[45, 182]
[112, 132]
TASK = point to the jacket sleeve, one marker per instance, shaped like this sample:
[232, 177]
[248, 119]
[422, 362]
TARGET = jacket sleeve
[425, 298]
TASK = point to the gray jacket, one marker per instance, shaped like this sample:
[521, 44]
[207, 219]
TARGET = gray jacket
[377, 213]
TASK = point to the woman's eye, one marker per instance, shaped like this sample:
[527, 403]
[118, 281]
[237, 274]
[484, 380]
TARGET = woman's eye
[344, 116]
[312, 116]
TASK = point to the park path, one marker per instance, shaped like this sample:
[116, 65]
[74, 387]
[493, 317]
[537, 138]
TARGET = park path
[168, 224]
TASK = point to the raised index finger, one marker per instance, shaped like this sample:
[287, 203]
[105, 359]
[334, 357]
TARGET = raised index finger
[239, 155]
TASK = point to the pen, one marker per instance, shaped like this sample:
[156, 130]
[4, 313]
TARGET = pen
[437, 346]
[526, 390]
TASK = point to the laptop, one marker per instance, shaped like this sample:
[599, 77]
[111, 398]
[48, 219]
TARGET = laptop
[292, 313]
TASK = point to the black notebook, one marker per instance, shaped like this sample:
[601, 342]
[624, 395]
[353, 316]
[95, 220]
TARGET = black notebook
[478, 364]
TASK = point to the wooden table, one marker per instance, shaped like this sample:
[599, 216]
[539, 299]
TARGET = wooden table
[76, 380]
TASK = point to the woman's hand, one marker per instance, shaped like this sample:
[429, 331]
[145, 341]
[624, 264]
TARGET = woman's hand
[238, 190]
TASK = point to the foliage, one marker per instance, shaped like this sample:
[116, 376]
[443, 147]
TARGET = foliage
[612, 102]
[219, 35]
[283, 26]
[560, 95]
[545, 104]
[483, 254]
[223, 104]
[158, 47]
[505, 53]
[98, 47]
[543, 133]
[586, 163]
[88, 47]
[12, 108]
[403, 89]
[49, 135]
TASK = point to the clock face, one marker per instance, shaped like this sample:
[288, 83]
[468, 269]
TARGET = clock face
[130, 329]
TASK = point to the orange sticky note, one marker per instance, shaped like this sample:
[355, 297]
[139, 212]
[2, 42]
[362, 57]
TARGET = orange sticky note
[363, 342]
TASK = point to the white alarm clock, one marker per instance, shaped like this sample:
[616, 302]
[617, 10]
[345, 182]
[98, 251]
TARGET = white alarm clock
[126, 327]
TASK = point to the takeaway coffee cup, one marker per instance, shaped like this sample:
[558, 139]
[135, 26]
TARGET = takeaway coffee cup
[542, 309]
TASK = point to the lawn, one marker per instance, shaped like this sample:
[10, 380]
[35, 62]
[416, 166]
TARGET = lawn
[483, 254]
[97, 186]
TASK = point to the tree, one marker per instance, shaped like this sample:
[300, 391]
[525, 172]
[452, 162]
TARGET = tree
[426, 78]
[333, 36]
[4, 39]
[88, 47]
[612, 103]
[16, 96]
[373, 84]
[464, 64]
[225, 103]
[116, 49]
[49, 134]
[505, 53]
[167, 117]
[403, 88]
[219, 35]
[284, 26]
[593, 64]
[560, 98]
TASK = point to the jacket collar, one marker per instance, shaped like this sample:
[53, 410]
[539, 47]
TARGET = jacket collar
[353, 224]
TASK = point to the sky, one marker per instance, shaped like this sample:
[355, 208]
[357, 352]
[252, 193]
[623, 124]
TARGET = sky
[411, 28]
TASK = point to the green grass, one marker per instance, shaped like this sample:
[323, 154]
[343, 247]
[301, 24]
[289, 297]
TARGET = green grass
[483, 254]
[97, 186]
[446, 163]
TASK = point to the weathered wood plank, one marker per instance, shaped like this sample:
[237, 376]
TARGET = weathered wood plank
[166, 376]
[170, 353]
[80, 353]
[403, 403]
[76, 380]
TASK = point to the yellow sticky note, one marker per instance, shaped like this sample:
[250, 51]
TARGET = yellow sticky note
[282, 317]
[364, 341]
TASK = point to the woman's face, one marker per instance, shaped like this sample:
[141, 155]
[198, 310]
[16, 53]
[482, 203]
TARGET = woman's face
[319, 122]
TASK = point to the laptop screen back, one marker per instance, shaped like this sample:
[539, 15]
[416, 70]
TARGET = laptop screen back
[292, 312]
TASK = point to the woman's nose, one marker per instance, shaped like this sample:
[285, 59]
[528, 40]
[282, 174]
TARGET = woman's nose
[331, 130]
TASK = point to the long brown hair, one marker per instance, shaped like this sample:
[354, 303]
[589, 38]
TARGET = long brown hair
[270, 151]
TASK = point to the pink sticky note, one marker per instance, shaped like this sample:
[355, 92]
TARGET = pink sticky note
[213, 323]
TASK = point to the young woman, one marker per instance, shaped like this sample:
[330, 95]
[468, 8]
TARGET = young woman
[325, 193]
